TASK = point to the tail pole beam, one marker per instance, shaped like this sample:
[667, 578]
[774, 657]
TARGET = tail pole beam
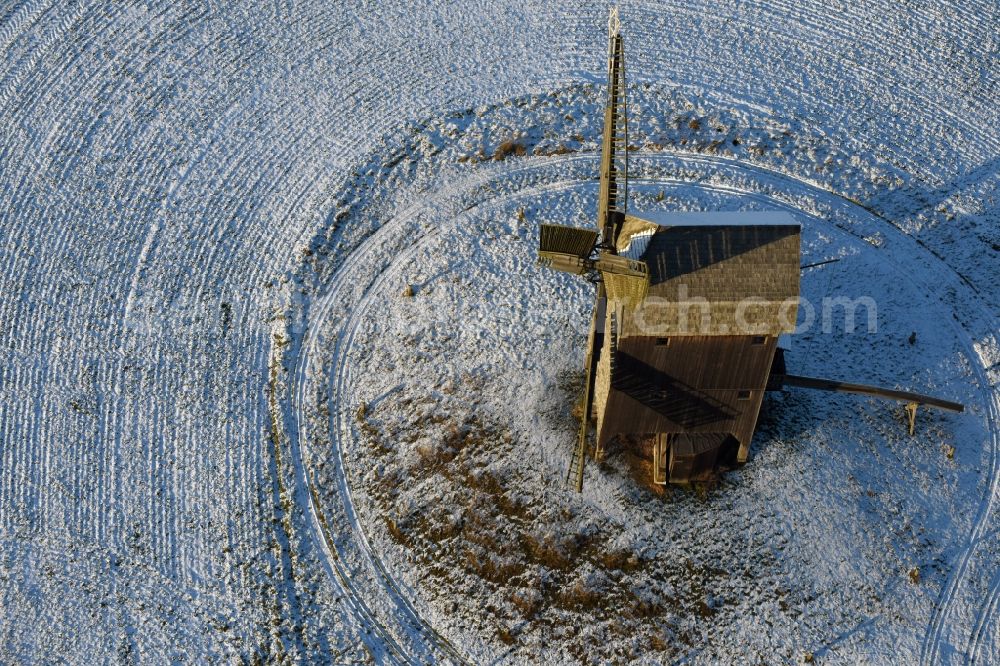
[912, 400]
[876, 391]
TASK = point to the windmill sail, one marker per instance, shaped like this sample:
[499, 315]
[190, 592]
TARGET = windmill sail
[574, 476]
[567, 240]
[623, 279]
[610, 214]
[611, 202]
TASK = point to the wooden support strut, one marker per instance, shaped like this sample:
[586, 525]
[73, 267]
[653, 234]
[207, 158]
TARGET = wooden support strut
[911, 412]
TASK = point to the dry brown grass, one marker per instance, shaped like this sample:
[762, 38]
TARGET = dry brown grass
[545, 551]
[506, 635]
[580, 596]
[560, 149]
[489, 568]
[527, 602]
[508, 148]
[487, 536]
[658, 643]
[398, 535]
[619, 560]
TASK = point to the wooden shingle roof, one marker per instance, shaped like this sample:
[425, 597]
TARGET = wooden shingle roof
[716, 274]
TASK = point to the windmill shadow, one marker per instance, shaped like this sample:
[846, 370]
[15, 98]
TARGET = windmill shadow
[666, 395]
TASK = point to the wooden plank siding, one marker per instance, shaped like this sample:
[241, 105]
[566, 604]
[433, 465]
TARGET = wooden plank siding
[693, 384]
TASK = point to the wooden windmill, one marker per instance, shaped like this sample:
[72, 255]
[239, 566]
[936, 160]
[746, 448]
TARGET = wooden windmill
[688, 310]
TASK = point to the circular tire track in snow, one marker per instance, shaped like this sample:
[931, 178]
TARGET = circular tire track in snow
[916, 77]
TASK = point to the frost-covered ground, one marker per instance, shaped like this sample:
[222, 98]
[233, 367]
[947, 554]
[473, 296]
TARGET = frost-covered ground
[227, 434]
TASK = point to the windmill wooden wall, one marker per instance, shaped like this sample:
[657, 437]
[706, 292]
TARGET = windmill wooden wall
[663, 373]
[695, 384]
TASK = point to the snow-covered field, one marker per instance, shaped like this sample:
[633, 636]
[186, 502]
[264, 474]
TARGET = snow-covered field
[279, 380]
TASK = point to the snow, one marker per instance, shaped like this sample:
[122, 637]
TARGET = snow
[666, 218]
[226, 433]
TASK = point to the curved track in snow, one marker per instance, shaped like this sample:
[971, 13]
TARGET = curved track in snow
[166, 166]
[400, 632]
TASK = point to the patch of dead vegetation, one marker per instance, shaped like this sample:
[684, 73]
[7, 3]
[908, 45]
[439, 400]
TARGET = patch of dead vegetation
[508, 148]
[480, 539]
